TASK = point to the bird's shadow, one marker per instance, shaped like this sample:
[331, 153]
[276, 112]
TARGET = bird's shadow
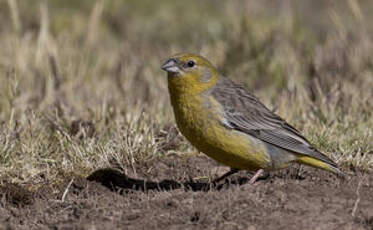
[119, 182]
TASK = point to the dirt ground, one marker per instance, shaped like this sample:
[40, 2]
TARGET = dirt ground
[171, 193]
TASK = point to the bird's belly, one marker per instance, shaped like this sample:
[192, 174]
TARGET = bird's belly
[238, 150]
[235, 149]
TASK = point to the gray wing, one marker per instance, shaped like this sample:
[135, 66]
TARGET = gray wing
[245, 113]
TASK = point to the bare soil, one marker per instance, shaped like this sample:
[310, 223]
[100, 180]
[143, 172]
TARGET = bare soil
[171, 193]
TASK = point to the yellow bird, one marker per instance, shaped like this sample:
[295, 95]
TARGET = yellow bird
[227, 123]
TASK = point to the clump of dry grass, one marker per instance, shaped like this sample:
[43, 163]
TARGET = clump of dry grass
[81, 87]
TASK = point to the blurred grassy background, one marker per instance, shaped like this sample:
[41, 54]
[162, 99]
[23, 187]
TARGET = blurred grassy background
[81, 86]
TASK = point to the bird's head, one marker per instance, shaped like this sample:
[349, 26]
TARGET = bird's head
[190, 72]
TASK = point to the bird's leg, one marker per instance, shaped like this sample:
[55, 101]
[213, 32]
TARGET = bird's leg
[225, 175]
[256, 176]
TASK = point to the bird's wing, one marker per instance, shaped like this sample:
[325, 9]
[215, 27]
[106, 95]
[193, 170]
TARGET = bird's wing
[244, 112]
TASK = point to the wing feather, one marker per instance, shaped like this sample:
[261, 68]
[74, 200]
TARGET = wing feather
[244, 112]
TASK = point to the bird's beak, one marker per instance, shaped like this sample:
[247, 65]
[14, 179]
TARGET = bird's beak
[171, 66]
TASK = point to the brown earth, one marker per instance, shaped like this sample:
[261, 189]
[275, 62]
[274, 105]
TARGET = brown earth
[169, 193]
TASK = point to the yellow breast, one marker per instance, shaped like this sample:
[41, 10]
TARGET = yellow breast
[200, 119]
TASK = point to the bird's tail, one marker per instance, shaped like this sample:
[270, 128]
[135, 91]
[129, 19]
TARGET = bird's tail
[320, 164]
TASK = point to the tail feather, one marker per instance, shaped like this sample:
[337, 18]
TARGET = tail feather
[320, 164]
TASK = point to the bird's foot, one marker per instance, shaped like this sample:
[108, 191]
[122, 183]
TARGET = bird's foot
[258, 174]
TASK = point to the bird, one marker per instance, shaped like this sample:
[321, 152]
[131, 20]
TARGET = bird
[230, 125]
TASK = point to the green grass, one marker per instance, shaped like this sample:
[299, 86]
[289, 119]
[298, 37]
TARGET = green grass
[81, 86]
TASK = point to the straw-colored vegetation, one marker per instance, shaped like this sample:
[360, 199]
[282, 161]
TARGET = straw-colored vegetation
[81, 86]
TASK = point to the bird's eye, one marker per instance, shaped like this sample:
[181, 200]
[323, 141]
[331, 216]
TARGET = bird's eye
[191, 63]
